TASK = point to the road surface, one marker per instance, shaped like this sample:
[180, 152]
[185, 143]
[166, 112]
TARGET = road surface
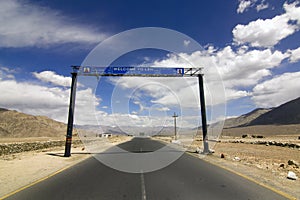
[187, 178]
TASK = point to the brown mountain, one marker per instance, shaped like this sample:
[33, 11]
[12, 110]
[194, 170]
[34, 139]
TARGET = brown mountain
[245, 119]
[287, 113]
[16, 124]
[282, 120]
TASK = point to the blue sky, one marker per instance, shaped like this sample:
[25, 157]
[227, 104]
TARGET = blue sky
[255, 45]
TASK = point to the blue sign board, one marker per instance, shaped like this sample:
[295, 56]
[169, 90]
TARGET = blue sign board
[130, 71]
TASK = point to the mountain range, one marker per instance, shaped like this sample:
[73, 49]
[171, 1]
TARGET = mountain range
[285, 114]
[15, 124]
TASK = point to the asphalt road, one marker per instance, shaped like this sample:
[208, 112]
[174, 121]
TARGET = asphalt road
[187, 178]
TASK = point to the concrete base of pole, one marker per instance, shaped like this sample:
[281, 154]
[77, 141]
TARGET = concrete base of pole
[206, 149]
[205, 144]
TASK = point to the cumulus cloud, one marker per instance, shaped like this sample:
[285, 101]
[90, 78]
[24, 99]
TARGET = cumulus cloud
[243, 5]
[6, 73]
[248, 67]
[262, 6]
[124, 121]
[277, 90]
[238, 68]
[25, 25]
[47, 101]
[268, 32]
[293, 11]
[51, 101]
[52, 77]
[295, 55]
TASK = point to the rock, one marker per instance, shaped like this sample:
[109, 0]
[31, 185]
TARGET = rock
[281, 165]
[176, 142]
[292, 162]
[257, 136]
[236, 158]
[291, 175]
[222, 155]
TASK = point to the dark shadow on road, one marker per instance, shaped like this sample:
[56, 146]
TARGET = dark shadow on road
[62, 154]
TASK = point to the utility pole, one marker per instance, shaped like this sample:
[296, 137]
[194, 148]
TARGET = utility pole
[71, 113]
[203, 114]
[175, 128]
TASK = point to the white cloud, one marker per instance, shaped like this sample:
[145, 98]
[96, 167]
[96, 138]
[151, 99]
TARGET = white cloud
[186, 43]
[248, 67]
[243, 5]
[24, 25]
[6, 73]
[235, 94]
[277, 91]
[125, 121]
[262, 6]
[268, 32]
[162, 108]
[22, 95]
[134, 112]
[240, 68]
[293, 11]
[53, 101]
[295, 55]
[52, 77]
[50, 101]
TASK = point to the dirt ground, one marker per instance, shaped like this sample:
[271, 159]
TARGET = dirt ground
[265, 164]
[21, 169]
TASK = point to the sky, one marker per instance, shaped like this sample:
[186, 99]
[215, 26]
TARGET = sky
[253, 44]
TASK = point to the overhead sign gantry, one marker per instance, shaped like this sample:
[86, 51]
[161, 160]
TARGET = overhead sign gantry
[137, 71]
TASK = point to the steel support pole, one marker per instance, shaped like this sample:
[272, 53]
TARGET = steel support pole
[71, 115]
[203, 113]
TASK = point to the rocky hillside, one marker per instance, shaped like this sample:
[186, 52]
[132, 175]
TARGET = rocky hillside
[287, 113]
[246, 118]
[16, 124]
